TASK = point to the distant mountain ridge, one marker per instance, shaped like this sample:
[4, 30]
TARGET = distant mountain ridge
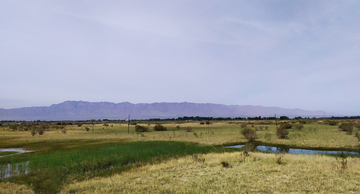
[81, 110]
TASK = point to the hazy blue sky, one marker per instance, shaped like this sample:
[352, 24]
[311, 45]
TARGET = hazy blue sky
[289, 54]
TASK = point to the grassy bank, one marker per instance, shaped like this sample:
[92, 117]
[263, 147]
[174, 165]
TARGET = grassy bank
[257, 173]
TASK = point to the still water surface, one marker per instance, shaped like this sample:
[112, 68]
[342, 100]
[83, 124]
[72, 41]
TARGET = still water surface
[288, 150]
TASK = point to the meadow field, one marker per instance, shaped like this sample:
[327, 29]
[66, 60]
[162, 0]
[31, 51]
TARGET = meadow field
[189, 157]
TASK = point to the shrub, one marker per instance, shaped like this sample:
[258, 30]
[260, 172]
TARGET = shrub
[44, 127]
[357, 126]
[208, 122]
[197, 158]
[332, 123]
[348, 127]
[33, 132]
[178, 127]
[159, 127]
[249, 134]
[266, 128]
[225, 164]
[13, 127]
[139, 129]
[105, 124]
[267, 136]
[243, 125]
[299, 126]
[279, 160]
[41, 131]
[285, 125]
[302, 122]
[188, 129]
[79, 124]
[202, 123]
[64, 131]
[282, 132]
[87, 128]
[357, 135]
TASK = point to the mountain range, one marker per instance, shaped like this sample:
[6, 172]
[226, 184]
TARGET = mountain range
[81, 110]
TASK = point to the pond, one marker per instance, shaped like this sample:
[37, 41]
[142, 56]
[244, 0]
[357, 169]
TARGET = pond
[272, 149]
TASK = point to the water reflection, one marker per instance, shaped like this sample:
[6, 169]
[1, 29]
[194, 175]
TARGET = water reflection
[16, 169]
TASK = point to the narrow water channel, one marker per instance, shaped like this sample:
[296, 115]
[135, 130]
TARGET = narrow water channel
[271, 149]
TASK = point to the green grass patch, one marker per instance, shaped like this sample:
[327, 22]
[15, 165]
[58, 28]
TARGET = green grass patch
[52, 168]
[7, 153]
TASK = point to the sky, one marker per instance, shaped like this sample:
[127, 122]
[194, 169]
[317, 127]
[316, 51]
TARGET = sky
[278, 53]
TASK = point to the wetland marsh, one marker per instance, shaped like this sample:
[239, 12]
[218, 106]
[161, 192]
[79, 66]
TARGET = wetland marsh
[82, 161]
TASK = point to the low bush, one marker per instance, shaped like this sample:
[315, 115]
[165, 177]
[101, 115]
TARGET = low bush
[13, 127]
[41, 131]
[225, 164]
[348, 127]
[249, 134]
[202, 123]
[33, 132]
[243, 125]
[279, 160]
[332, 123]
[140, 129]
[159, 127]
[188, 129]
[105, 124]
[357, 135]
[302, 122]
[267, 136]
[357, 126]
[79, 124]
[87, 128]
[282, 132]
[285, 125]
[299, 126]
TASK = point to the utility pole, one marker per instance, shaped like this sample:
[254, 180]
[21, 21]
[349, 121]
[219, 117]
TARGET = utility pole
[129, 124]
[208, 123]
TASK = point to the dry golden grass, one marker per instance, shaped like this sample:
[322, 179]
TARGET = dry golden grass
[257, 173]
[7, 188]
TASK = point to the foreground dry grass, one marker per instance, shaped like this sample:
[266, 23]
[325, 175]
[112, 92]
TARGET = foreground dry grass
[14, 188]
[257, 173]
